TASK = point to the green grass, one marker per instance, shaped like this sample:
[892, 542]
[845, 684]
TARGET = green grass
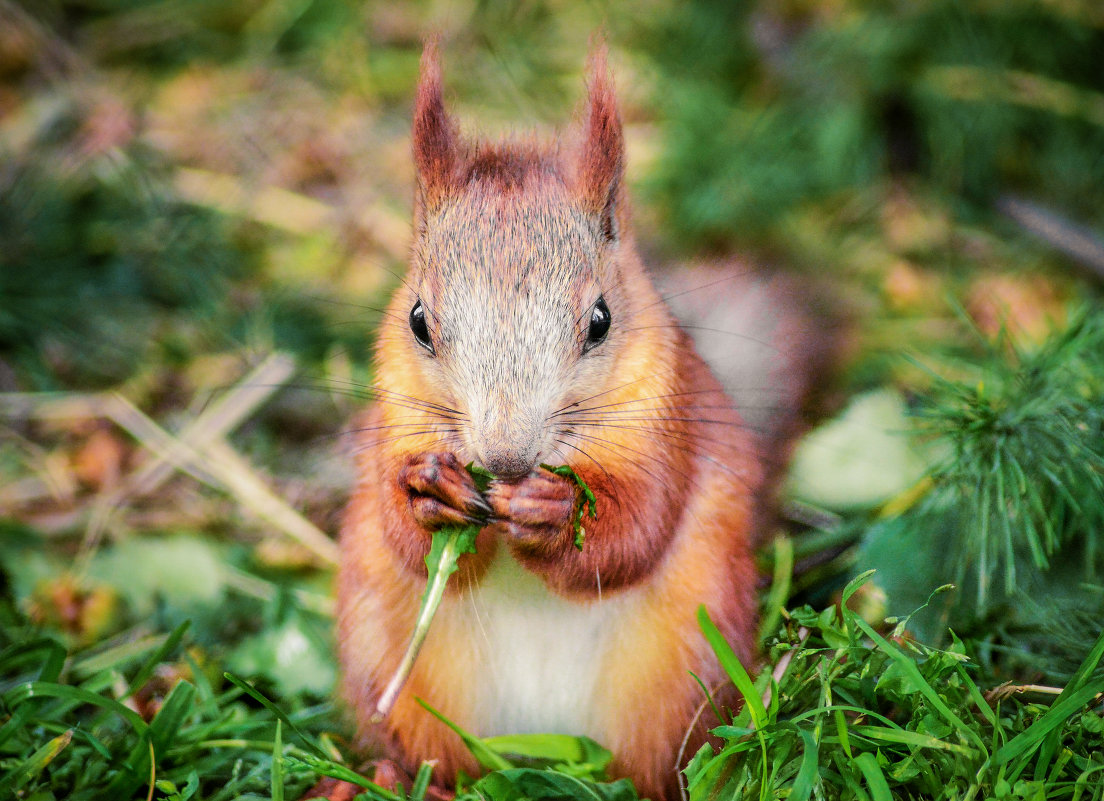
[849, 713]
[855, 714]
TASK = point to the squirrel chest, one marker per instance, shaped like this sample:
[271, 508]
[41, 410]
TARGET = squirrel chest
[543, 655]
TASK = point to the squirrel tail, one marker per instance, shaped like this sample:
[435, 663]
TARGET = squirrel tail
[772, 343]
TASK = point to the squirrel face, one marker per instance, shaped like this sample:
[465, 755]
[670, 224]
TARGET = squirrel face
[516, 304]
[515, 295]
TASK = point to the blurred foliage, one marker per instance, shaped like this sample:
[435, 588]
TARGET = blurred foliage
[776, 105]
[992, 480]
[98, 268]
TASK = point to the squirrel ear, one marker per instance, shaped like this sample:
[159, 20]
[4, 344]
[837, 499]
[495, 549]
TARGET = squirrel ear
[434, 134]
[601, 162]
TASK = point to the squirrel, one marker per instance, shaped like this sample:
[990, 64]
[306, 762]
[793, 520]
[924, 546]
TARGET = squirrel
[528, 332]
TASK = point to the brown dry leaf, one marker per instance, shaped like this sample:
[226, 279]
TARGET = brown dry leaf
[64, 603]
[98, 463]
[911, 226]
[110, 124]
[908, 287]
[1029, 307]
[150, 697]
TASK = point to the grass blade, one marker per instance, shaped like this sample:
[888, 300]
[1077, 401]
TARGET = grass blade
[278, 763]
[249, 690]
[1088, 665]
[156, 658]
[421, 782]
[484, 755]
[875, 779]
[43, 689]
[731, 665]
[913, 738]
[779, 588]
[806, 777]
[35, 764]
[327, 767]
[1049, 722]
[174, 711]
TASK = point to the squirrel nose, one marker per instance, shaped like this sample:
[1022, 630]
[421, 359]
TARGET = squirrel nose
[505, 441]
[507, 463]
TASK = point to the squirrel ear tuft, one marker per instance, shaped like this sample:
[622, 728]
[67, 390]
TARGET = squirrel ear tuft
[602, 159]
[434, 134]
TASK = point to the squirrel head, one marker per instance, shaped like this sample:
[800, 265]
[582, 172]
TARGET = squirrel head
[519, 296]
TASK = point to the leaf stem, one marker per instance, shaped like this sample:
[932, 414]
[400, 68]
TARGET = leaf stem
[445, 567]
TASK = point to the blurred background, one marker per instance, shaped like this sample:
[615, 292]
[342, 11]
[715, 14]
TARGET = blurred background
[204, 203]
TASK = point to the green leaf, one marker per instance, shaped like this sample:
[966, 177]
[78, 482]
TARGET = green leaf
[588, 503]
[460, 539]
[529, 784]
[860, 459]
[480, 475]
[448, 545]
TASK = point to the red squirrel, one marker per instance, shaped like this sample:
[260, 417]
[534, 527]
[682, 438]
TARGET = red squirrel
[527, 331]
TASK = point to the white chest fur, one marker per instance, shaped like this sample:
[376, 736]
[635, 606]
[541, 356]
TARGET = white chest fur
[541, 655]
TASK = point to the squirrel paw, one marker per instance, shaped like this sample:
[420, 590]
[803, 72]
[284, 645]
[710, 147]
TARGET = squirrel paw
[534, 514]
[333, 790]
[441, 491]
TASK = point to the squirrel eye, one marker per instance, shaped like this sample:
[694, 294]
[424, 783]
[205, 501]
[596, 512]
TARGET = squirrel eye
[419, 327]
[599, 324]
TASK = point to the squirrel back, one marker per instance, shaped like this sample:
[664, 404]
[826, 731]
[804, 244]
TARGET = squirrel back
[528, 332]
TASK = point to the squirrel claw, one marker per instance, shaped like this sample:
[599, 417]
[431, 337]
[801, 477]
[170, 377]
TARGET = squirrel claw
[441, 491]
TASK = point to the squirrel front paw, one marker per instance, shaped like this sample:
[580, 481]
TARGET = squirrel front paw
[534, 514]
[441, 491]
